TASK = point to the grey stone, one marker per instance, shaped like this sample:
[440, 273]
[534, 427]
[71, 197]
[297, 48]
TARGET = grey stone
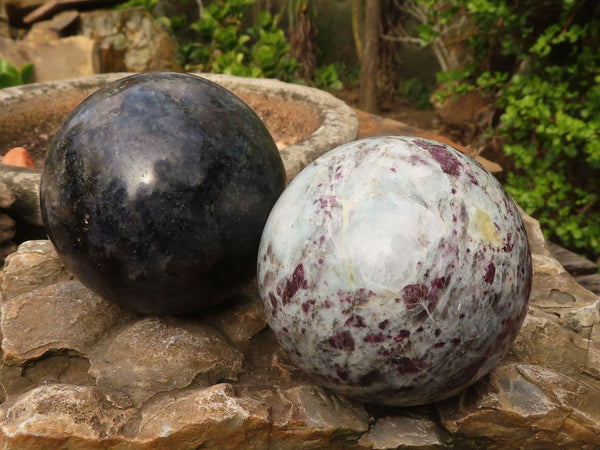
[24, 183]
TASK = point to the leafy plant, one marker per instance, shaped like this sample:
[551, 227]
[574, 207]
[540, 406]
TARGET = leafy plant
[12, 76]
[540, 60]
[417, 93]
[147, 4]
[224, 47]
[349, 75]
[327, 78]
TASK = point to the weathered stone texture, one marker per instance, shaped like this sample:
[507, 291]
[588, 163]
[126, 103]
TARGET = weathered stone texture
[63, 316]
[129, 40]
[53, 59]
[212, 417]
[153, 355]
[79, 372]
[34, 265]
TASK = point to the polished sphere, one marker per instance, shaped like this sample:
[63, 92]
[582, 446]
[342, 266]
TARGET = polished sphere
[395, 270]
[156, 189]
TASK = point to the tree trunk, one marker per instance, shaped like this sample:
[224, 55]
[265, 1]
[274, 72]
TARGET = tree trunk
[369, 57]
[358, 16]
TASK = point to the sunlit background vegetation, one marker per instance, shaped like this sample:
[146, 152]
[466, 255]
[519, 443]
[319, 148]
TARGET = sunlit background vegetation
[536, 63]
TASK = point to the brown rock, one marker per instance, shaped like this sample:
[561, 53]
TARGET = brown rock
[154, 355]
[464, 109]
[14, 52]
[212, 417]
[542, 337]
[7, 198]
[8, 228]
[62, 316]
[592, 361]
[34, 265]
[54, 59]
[12, 382]
[130, 40]
[64, 21]
[308, 416]
[66, 416]
[555, 290]
[242, 317]
[59, 368]
[158, 382]
[537, 243]
[41, 32]
[69, 57]
[526, 406]
[581, 401]
[404, 432]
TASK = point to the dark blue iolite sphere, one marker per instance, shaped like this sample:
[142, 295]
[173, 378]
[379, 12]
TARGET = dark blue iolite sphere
[156, 189]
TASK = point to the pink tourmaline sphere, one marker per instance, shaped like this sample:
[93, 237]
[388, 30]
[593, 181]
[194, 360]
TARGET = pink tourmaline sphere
[395, 270]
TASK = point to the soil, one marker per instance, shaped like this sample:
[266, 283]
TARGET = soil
[29, 124]
[287, 121]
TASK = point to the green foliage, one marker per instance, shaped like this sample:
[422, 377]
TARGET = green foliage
[12, 76]
[349, 75]
[540, 60]
[147, 4]
[327, 78]
[224, 47]
[417, 93]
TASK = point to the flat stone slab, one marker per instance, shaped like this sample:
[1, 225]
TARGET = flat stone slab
[79, 372]
[572, 262]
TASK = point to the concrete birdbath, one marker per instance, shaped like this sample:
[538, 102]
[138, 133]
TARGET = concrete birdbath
[304, 122]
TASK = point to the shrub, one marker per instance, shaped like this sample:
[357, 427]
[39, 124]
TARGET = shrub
[224, 47]
[540, 60]
[12, 76]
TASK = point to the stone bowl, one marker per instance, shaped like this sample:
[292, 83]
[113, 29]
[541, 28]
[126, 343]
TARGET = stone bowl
[304, 122]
